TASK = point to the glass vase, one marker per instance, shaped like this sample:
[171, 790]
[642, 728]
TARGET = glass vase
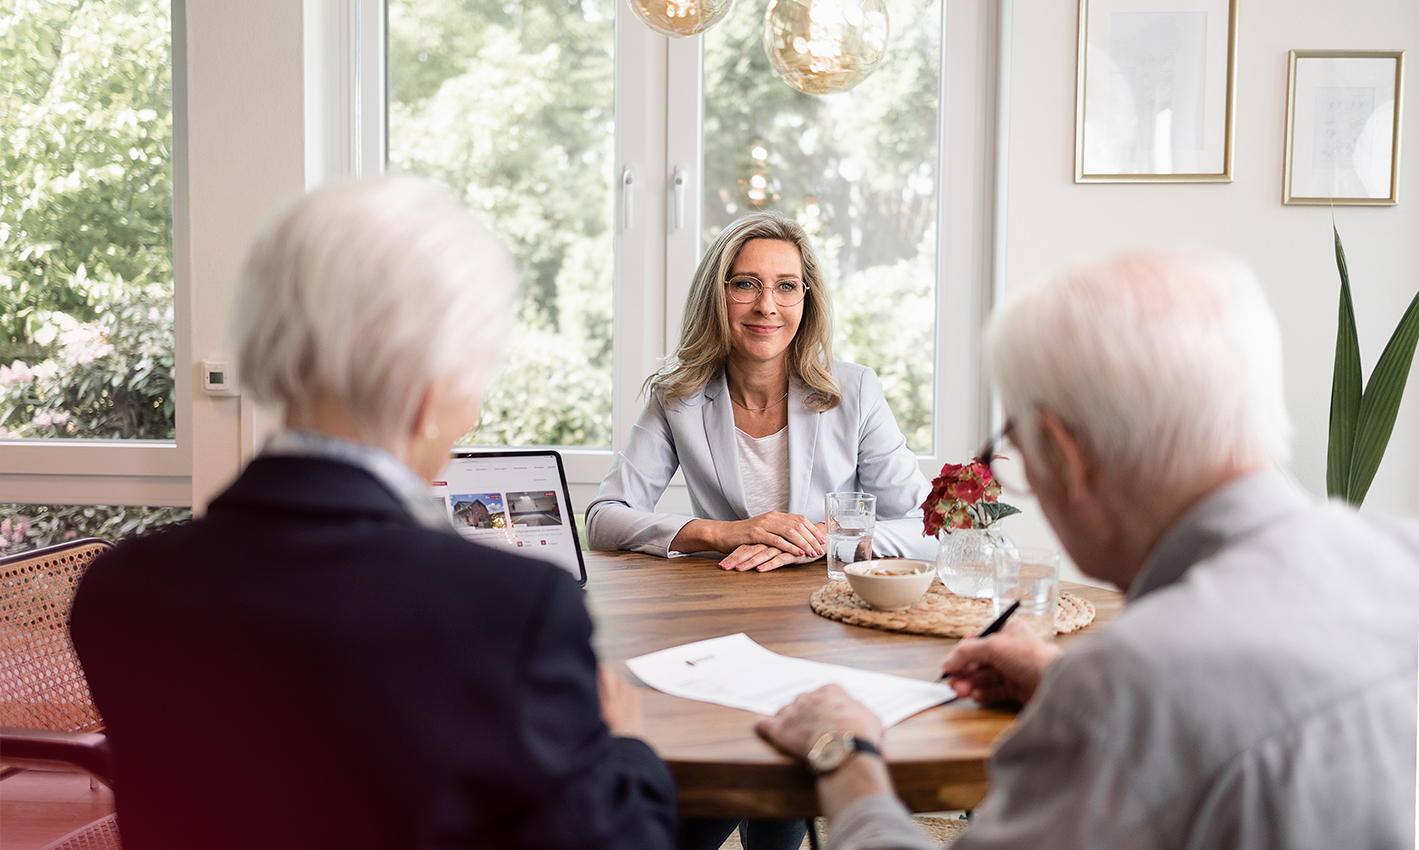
[965, 560]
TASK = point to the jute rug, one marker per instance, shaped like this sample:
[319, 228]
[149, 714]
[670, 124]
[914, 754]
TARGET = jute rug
[939, 612]
[941, 830]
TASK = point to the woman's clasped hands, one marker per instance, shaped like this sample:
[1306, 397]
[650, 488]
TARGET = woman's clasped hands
[769, 541]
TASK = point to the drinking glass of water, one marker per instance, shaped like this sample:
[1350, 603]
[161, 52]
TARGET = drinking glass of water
[851, 518]
[1030, 576]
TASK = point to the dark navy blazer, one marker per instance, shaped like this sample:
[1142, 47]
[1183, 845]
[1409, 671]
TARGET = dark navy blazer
[306, 666]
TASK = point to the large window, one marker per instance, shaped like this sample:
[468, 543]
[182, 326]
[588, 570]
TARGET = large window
[86, 285]
[86, 265]
[859, 171]
[595, 147]
[511, 104]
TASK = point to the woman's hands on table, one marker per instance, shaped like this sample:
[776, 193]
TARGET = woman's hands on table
[765, 542]
[1005, 667]
[762, 557]
[765, 556]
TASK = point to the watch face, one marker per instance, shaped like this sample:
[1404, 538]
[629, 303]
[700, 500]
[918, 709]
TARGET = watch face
[830, 752]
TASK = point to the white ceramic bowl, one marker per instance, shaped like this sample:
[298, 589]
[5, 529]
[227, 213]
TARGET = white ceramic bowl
[891, 584]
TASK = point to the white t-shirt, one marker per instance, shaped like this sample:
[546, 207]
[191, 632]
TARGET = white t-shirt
[764, 464]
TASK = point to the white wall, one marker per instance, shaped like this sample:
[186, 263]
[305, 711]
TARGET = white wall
[1053, 221]
[245, 155]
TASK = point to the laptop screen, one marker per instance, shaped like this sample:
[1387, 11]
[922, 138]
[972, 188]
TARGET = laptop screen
[516, 500]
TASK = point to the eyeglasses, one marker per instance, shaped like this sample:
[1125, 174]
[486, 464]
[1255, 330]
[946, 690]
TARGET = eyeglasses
[1008, 470]
[786, 292]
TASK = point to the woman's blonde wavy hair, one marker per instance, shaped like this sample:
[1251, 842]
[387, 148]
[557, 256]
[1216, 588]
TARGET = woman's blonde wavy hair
[704, 332]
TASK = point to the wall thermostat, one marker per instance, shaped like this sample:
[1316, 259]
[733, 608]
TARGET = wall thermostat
[218, 379]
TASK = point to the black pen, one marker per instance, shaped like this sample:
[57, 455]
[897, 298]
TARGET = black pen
[990, 630]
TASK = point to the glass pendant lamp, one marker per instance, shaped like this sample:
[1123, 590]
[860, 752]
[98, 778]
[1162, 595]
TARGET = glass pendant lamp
[680, 18]
[825, 46]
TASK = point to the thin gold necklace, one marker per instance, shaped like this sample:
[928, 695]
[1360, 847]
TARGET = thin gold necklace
[759, 409]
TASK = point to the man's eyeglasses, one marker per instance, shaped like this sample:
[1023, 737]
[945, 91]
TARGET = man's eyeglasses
[1007, 469]
[786, 292]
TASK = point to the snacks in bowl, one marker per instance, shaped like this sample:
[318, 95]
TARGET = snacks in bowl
[889, 571]
[890, 584]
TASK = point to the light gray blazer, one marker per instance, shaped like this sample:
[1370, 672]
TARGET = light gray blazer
[855, 446]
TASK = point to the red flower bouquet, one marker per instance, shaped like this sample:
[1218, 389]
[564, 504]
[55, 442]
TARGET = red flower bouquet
[964, 496]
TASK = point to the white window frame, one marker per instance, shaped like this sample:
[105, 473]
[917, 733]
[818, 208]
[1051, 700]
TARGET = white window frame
[961, 417]
[659, 126]
[267, 102]
[152, 472]
[238, 152]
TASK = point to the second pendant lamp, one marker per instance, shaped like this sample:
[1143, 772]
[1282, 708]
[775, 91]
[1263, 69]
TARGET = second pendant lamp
[816, 46]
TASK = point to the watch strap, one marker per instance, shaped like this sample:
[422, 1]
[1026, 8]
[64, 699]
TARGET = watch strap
[865, 747]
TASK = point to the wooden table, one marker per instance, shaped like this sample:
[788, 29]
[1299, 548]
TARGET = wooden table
[641, 604]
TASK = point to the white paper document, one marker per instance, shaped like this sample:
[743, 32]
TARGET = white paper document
[737, 672]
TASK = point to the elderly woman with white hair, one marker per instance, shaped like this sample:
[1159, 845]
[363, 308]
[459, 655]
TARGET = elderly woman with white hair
[321, 660]
[761, 420]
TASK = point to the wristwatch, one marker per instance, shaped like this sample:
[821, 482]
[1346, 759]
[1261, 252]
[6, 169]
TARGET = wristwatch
[833, 749]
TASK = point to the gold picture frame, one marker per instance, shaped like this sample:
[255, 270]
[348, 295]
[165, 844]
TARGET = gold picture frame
[1156, 91]
[1349, 105]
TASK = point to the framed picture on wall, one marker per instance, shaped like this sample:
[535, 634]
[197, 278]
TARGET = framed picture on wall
[1343, 112]
[1156, 91]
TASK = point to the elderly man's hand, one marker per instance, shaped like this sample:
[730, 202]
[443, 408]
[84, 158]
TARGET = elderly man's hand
[1005, 667]
[620, 704]
[802, 722]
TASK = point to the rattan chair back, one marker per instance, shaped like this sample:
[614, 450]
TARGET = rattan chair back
[102, 834]
[42, 685]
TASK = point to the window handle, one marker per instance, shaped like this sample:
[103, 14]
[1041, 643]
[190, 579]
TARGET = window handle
[678, 181]
[628, 179]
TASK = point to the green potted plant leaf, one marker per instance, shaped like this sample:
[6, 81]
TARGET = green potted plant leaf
[1362, 416]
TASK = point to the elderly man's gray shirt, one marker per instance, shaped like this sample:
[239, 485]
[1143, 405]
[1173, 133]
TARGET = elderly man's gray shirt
[1258, 691]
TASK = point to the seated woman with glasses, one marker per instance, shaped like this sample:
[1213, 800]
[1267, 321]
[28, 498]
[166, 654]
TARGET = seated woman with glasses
[761, 419]
[764, 424]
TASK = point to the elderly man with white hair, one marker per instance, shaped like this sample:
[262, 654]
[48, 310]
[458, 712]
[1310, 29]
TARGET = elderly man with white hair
[320, 660]
[1259, 688]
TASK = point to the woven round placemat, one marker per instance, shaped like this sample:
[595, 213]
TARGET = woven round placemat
[943, 831]
[938, 612]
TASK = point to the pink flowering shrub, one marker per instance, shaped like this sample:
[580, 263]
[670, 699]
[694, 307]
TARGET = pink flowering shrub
[110, 378]
[25, 527]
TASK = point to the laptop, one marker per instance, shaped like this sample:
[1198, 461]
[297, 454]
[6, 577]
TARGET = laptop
[514, 500]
